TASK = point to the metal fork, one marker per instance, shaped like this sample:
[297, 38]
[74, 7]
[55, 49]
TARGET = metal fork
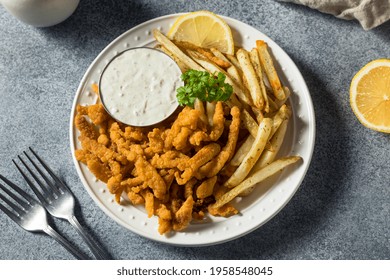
[30, 215]
[57, 198]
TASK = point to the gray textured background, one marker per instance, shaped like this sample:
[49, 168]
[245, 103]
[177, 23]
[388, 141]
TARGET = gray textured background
[342, 209]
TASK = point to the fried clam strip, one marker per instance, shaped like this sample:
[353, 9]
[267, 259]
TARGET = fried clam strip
[253, 155]
[226, 210]
[144, 169]
[188, 119]
[96, 113]
[101, 170]
[206, 188]
[257, 177]
[175, 51]
[183, 216]
[215, 165]
[151, 177]
[87, 129]
[216, 130]
[190, 167]
[170, 159]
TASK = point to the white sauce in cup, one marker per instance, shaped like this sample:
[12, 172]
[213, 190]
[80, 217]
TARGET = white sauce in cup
[138, 86]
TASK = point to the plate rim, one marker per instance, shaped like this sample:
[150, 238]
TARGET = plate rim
[311, 134]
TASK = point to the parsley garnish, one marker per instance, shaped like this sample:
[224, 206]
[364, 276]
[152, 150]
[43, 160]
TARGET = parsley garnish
[205, 87]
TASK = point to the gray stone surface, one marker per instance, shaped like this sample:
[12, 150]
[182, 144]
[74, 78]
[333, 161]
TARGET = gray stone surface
[342, 209]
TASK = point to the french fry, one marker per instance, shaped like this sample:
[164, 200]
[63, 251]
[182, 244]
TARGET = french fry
[235, 75]
[251, 77]
[257, 177]
[269, 69]
[253, 155]
[233, 60]
[272, 148]
[287, 93]
[249, 123]
[247, 120]
[210, 110]
[254, 57]
[214, 69]
[220, 55]
[270, 151]
[185, 46]
[283, 114]
[258, 114]
[183, 67]
[175, 51]
[273, 106]
[242, 151]
[198, 105]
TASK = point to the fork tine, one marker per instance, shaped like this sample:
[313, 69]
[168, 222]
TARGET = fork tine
[14, 207]
[33, 187]
[9, 214]
[48, 169]
[25, 203]
[51, 187]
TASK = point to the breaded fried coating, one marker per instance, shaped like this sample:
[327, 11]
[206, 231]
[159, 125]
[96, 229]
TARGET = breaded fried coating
[189, 118]
[226, 210]
[149, 202]
[170, 159]
[134, 134]
[156, 140]
[103, 140]
[87, 129]
[214, 166]
[101, 170]
[203, 156]
[135, 198]
[184, 215]
[151, 177]
[165, 168]
[97, 114]
[132, 182]
[181, 140]
[216, 130]
[206, 188]
[189, 188]
[164, 219]
[114, 184]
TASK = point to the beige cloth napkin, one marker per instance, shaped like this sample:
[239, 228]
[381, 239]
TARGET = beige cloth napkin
[370, 13]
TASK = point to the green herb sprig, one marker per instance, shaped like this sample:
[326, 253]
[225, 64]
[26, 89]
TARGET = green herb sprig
[205, 87]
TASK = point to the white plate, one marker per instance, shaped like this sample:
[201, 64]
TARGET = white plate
[255, 210]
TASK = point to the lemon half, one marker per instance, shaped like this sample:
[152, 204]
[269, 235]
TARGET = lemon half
[370, 95]
[203, 29]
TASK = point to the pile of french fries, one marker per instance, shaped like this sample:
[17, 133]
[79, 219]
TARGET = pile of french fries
[261, 97]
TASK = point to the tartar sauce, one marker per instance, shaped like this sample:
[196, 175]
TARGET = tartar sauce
[138, 87]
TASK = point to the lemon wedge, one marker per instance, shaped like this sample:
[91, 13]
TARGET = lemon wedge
[203, 29]
[370, 95]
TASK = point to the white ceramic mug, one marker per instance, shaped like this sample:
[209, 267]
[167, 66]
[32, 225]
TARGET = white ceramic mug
[41, 13]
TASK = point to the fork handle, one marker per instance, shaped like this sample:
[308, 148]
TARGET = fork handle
[95, 248]
[65, 243]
